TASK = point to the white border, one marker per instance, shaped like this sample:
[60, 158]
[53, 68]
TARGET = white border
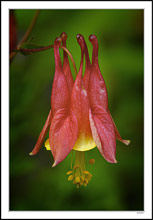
[5, 111]
[77, 4]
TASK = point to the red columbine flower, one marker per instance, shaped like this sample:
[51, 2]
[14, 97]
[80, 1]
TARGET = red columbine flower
[79, 118]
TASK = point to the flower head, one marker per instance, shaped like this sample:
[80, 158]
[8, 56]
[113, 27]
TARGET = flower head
[79, 118]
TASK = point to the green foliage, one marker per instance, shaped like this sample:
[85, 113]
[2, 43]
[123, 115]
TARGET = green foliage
[34, 184]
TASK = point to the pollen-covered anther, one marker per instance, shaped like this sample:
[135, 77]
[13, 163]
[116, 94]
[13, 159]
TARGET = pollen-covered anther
[86, 172]
[87, 176]
[69, 172]
[77, 179]
[82, 179]
[75, 167]
[70, 178]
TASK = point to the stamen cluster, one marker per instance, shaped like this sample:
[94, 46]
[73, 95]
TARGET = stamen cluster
[78, 176]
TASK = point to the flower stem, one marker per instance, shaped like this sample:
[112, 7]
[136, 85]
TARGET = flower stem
[25, 37]
[36, 50]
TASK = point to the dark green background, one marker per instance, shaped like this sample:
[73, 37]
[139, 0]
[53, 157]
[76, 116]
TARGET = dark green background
[34, 184]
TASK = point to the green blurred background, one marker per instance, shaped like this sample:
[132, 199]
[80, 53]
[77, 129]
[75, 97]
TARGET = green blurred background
[34, 184]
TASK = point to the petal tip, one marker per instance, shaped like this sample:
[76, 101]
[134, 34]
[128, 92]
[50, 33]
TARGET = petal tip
[81, 42]
[112, 161]
[78, 36]
[80, 39]
[58, 40]
[54, 164]
[31, 154]
[63, 36]
[92, 37]
[126, 142]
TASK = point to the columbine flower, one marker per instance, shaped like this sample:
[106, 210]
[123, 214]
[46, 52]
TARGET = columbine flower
[79, 118]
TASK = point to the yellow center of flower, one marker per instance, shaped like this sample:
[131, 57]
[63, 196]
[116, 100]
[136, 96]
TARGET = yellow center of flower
[84, 143]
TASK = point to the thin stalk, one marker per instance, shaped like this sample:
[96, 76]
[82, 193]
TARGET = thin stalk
[25, 37]
[36, 50]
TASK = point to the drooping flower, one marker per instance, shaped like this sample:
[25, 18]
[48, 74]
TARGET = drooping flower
[79, 118]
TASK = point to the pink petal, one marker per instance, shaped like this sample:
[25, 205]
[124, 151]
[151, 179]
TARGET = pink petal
[63, 135]
[97, 88]
[42, 135]
[64, 128]
[79, 97]
[103, 133]
[66, 66]
[117, 134]
[86, 77]
[60, 93]
[80, 106]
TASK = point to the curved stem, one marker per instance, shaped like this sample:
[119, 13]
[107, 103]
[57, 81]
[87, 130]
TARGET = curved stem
[25, 37]
[70, 55]
[35, 50]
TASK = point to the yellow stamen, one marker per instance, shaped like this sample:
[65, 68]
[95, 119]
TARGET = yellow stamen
[86, 181]
[82, 178]
[77, 179]
[79, 174]
[86, 172]
[76, 166]
[89, 176]
[69, 172]
[70, 178]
